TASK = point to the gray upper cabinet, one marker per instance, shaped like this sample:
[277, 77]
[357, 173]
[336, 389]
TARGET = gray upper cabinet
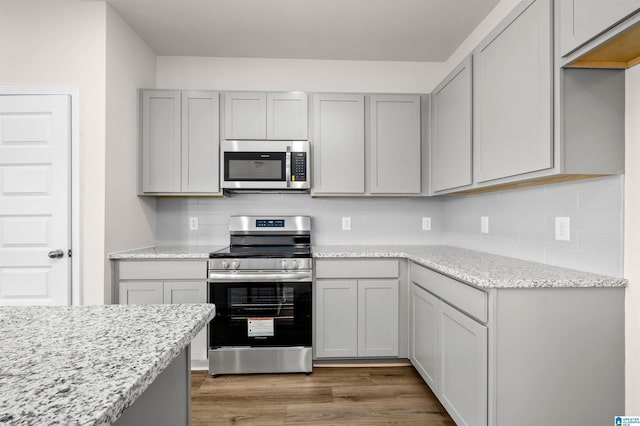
[366, 145]
[160, 138]
[513, 96]
[180, 146]
[394, 126]
[338, 144]
[265, 116]
[287, 116]
[582, 20]
[451, 127]
[200, 144]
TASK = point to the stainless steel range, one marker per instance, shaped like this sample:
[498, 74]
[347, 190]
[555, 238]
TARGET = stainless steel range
[261, 286]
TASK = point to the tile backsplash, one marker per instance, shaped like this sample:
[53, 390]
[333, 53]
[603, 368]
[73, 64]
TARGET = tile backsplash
[373, 220]
[521, 222]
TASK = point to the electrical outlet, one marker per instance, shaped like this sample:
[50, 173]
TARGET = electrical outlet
[426, 224]
[563, 229]
[193, 223]
[484, 224]
[346, 223]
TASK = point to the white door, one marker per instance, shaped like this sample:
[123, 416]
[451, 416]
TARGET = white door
[35, 185]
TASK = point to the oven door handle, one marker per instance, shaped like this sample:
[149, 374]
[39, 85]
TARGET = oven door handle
[221, 277]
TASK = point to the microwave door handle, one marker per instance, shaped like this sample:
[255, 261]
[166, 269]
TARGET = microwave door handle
[288, 166]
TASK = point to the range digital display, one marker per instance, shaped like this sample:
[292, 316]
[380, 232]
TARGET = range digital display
[269, 223]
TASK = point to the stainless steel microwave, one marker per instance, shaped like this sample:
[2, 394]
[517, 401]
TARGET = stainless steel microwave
[265, 165]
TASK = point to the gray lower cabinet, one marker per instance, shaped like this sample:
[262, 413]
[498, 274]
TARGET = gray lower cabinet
[448, 347]
[526, 356]
[582, 20]
[265, 116]
[356, 315]
[179, 139]
[451, 131]
[165, 282]
[463, 366]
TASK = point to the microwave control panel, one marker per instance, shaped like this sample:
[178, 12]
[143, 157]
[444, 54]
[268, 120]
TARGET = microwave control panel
[298, 167]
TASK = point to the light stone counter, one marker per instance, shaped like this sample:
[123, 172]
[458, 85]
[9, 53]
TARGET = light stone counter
[166, 252]
[477, 268]
[480, 269]
[84, 365]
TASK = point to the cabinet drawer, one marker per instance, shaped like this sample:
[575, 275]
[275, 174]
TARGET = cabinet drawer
[165, 270]
[366, 268]
[463, 296]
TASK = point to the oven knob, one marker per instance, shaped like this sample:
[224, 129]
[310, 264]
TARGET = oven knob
[285, 265]
[225, 264]
[235, 264]
[294, 264]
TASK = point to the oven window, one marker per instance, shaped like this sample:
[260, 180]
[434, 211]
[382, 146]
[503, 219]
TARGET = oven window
[255, 166]
[260, 314]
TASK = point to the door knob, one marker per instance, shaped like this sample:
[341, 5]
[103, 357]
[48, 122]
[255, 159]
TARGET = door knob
[56, 254]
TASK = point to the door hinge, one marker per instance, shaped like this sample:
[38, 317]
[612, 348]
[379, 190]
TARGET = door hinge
[69, 253]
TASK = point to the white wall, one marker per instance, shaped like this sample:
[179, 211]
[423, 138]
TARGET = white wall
[179, 72]
[129, 219]
[632, 241]
[62, 43]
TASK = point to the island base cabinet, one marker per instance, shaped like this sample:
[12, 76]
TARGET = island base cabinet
[167, 401]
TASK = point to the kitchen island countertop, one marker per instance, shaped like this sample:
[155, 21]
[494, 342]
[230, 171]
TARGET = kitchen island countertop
[85, 365]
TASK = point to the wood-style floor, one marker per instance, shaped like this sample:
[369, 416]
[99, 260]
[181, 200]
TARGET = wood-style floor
[329, 396]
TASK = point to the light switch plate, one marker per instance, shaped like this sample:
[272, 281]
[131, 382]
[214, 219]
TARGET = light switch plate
[193, 223]
[484, 224]
[346, 223]
[426, 224]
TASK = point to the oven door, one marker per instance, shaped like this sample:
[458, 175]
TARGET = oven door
[260, 313]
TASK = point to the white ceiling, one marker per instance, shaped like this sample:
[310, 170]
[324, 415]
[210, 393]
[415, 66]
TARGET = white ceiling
[385, 30]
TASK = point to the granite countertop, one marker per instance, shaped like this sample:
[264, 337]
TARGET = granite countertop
[166, 252]
[84, 365]
[480, 269]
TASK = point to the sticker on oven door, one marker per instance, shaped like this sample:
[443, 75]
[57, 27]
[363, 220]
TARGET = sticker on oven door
[260, 327]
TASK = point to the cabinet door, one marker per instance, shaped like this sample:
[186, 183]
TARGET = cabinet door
[451, 130]
[287, 116]
[336, 318]
[377, 318]
[338, 144]
[245, 115]
[425, 341]
[160, 111]
[189, 292]
[394, 122]
[140, 293]
[582, 20]
[513, 96]
[463, 371]
[200, 142]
